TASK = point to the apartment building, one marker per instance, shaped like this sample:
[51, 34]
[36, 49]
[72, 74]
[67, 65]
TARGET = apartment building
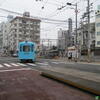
[4, 32]
[82, 37]
[22, 29]
[62, 39]
[97, 33]
[1, 36]
[97, 26]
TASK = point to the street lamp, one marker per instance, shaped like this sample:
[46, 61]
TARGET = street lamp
[76, 12]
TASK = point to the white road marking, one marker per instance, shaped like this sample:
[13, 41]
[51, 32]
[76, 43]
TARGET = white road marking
[1, 66]
[14, 64]
[43, 64]
[45, 67]
[31, 64]
[7, 65]
[63, 62]
[55, 62]
[21, 64]
[15, 70]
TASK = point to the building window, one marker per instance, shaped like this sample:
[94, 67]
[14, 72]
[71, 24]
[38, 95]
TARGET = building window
[98, 16]
[34, 23]
[20, 35]
[15, 35]
[15, 30]
[38, 23]
[24, 21]
[20, 30]
[98, 24]
[20, 24]
[98, 33]
[98, 42]
[15, 24]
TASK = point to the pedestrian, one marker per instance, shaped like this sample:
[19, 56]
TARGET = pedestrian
[70, 56]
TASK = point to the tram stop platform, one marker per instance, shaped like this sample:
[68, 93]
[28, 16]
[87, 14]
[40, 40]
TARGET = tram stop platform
[87, 81]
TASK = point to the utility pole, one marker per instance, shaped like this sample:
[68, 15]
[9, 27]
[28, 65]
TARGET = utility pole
[88, 11]
[76, 11]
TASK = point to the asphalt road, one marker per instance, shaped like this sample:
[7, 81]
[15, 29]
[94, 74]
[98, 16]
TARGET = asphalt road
[12, 64]
[41, 63]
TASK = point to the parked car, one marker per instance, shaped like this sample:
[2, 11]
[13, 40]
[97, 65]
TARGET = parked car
[15, 55]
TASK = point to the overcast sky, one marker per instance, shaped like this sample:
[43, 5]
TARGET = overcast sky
[50, 11]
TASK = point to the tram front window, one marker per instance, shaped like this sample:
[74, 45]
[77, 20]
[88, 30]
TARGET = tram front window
[26, 48]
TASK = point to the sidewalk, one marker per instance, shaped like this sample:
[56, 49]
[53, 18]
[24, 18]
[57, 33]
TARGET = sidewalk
[88, 81]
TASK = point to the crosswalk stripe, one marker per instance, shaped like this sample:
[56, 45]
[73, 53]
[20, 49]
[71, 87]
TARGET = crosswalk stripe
[11, 70]
[31, 64]
[1, 66]
[21, 64]
[14, 64]
[55, 62]
[7, 65]
[42, 63]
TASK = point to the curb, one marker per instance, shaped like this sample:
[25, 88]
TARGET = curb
[75, 84]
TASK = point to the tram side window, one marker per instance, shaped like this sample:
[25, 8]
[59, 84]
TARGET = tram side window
[21, 48]
[26, 48]
[32, 48]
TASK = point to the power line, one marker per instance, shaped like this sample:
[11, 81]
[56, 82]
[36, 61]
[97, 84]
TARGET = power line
[48, 28]
[53, 22]
[58, 1]
[44, 4]
[52, 14]
[35, 17]
[52, 3]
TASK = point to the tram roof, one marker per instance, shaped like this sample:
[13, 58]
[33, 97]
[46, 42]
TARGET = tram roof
[26, 42]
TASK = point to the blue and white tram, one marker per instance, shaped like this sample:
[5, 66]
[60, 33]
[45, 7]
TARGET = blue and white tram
[27, 51]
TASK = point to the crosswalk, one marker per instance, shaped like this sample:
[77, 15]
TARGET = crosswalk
[39, 64]
[1, 66]
[9, 65]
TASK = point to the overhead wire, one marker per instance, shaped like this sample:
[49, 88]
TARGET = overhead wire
[52, 3]
[58, 1]
[52, 22]
[52, 14]
[52, 28]
[35, 17]
[44, 4]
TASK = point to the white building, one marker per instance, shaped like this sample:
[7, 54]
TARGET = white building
[1, 36]
[62, 39]
[97, 26]
[82, 37]
[24, 28]
[19, 29]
